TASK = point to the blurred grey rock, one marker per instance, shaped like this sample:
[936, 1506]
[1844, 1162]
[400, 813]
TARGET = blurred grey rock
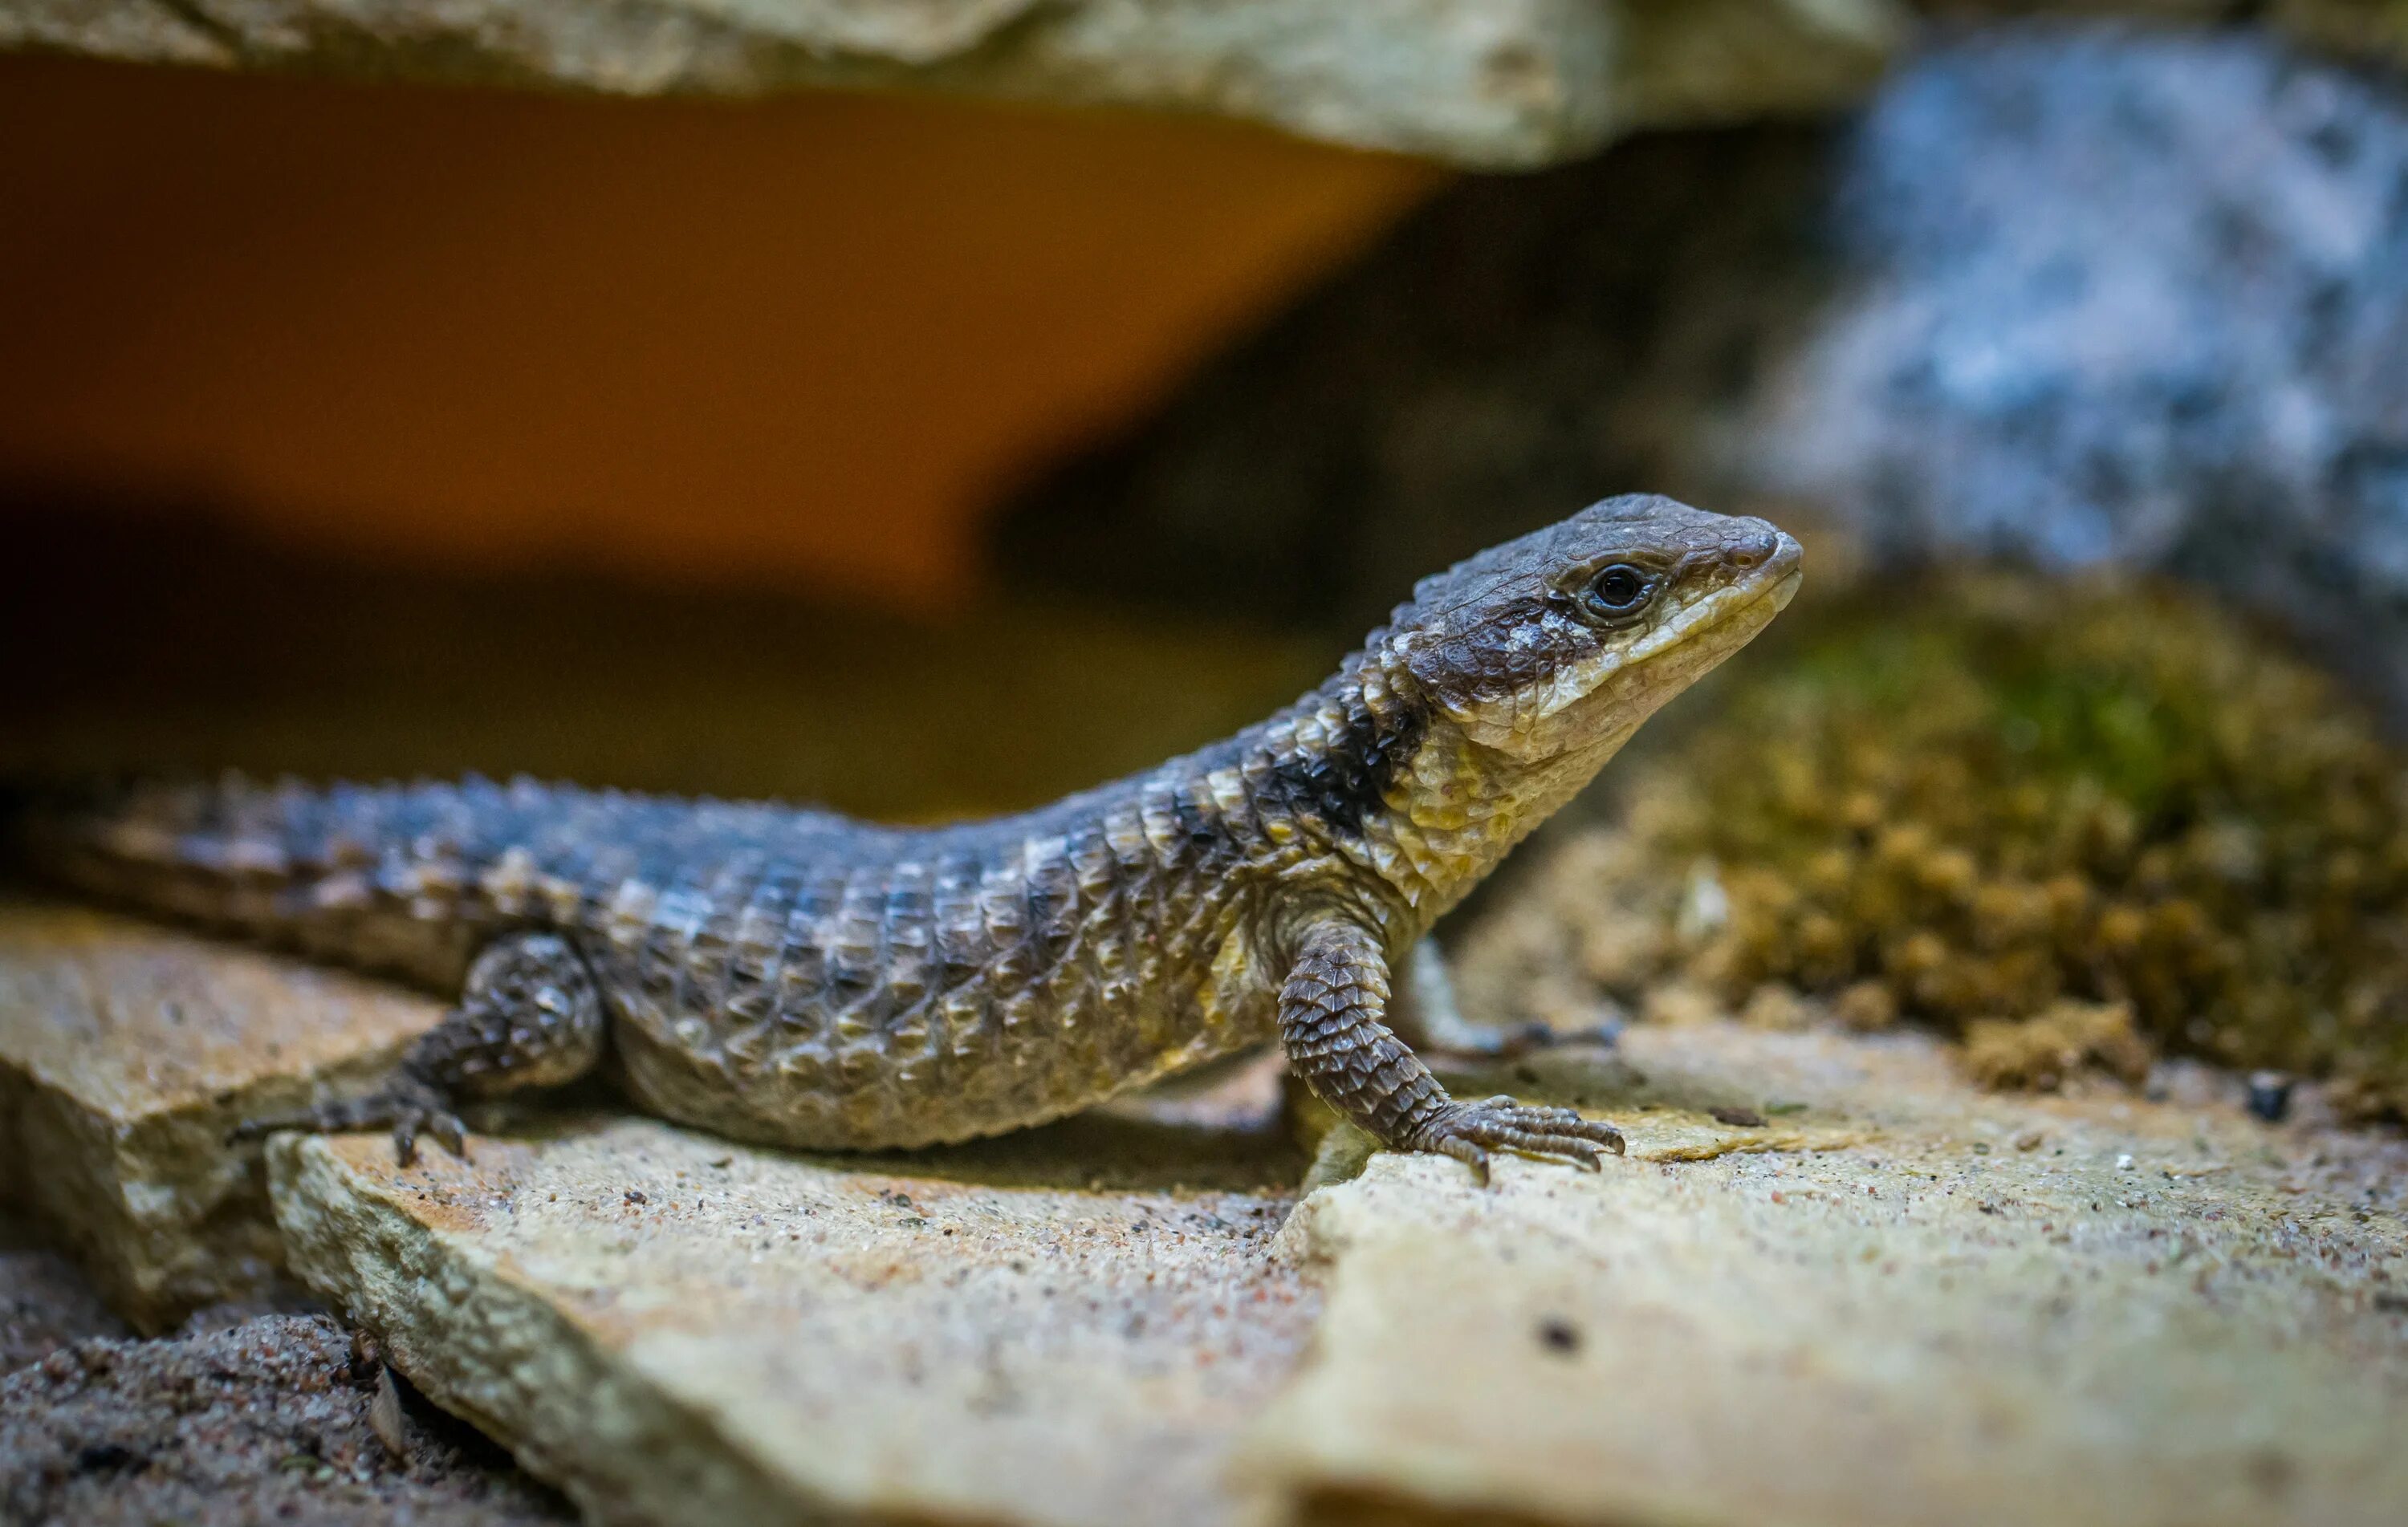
[2144, 300]
[1491, 83]
[2065, 293]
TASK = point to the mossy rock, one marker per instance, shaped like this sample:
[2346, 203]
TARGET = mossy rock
[2005, 794]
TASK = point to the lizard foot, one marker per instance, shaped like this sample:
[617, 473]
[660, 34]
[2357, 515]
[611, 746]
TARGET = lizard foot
[1468, 1131]
[408, 1102]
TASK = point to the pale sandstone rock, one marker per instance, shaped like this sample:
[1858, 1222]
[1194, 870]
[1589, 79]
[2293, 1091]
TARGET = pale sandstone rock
[1830, 1283]
[127, 1054]
[1485, 82]
[1067, 1326]
[1982, 1310]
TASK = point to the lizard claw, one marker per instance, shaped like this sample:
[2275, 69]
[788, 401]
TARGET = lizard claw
[442, 1123]
[1468, 1132]
[408, 1102]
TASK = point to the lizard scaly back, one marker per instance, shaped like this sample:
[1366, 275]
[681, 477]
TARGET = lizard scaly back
[796, 978]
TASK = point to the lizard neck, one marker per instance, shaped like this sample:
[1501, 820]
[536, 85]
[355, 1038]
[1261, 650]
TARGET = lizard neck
[1412, 810]
[1334, 756]
[1459, 808]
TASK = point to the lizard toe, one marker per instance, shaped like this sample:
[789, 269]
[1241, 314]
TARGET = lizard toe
[1500, 1123]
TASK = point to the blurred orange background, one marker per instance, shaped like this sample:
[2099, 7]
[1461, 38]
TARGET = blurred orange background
[807, 341]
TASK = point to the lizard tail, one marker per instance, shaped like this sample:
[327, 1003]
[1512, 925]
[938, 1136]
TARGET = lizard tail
[364, 877]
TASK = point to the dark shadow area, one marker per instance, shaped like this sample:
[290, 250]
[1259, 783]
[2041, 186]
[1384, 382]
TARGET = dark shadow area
[1521, 347]
[150, 636]
[1104, 1151]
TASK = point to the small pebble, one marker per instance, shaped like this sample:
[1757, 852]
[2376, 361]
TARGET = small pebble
[2269, 1095]
[386, 1418]
[1738, 1118]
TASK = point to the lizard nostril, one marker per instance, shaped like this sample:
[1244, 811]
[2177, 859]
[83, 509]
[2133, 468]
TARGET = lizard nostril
[1755, 551]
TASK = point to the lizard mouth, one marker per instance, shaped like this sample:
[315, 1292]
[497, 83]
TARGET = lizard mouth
[1777, 583]
[1786, 589]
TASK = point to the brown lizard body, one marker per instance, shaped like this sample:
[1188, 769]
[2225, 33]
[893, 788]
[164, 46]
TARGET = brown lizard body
[799, 979]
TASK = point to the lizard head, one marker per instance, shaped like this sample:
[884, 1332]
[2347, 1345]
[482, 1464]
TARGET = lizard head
[1563, 641]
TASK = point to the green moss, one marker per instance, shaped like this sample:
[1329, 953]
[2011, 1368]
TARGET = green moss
[2004, 792]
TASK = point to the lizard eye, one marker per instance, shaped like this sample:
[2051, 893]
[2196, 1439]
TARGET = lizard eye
[1618, 592]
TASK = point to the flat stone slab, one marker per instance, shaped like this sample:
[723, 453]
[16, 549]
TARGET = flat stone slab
[1069, 1327]
[1831, 1282]
[127, 1052]
[1485, 82]
[1078, 1324]
[1977, 1310]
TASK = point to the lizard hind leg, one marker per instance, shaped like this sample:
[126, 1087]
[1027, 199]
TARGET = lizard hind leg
[530, 1015]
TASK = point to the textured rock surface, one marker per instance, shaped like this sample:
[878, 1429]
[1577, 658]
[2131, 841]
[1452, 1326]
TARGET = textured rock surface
[1067, 1326]
[1830, 1283]
[1492, 83]
[1972, 1310]
[270, 1420]
[127, 1054]
[2071, 293]
[1498, 82]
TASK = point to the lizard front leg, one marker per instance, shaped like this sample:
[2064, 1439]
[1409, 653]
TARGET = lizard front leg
[530, 1015]
[1332, 1012]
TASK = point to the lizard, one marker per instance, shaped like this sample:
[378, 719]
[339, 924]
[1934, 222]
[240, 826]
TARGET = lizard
[795, 978]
